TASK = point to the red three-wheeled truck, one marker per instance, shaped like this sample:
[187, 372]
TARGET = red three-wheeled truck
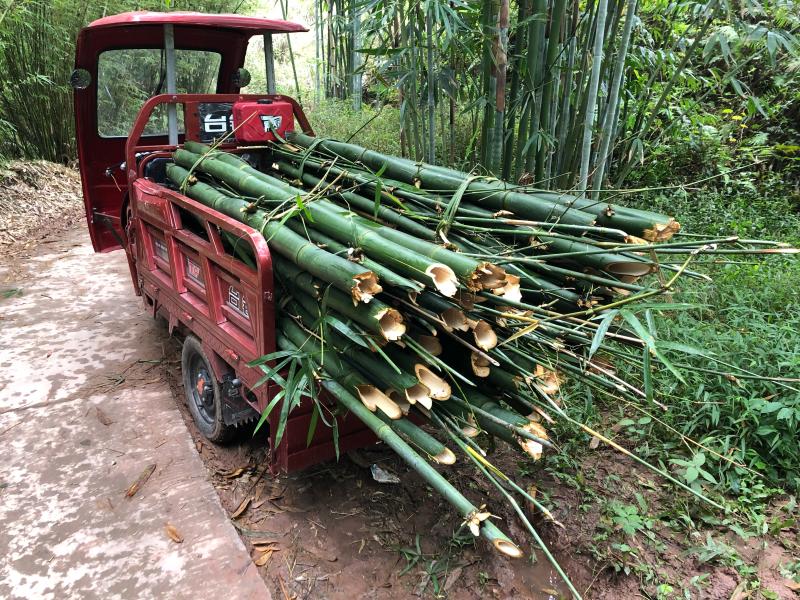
[144, 84]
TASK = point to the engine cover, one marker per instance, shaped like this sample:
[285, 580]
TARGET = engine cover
[260, 121]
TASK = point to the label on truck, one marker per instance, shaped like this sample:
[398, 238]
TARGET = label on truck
[216, 120]
[160, 248]
[237, 302]
[193, 271]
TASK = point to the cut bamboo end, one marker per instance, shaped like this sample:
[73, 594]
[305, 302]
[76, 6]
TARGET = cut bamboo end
[399, 399]
[485, 337]
[470, 429]
[419, 394]
[480, 366]
[391, 324]
[510, 290]
[661, 232]
[445, 457]
[438, 388]
[430, 343]
[633, 269]
[487, 277]
[531, 448]
[466, 299]
[548, 380]
[455, 319]
[537, 429]
[444, 279]
[365, 287]
[508, 548]
[632, 239]
[374, 399]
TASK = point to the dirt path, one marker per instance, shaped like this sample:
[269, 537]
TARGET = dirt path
[84, 411]
[89, 397]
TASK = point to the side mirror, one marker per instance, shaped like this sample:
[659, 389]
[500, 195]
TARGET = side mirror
[241, 78]
[80, 79]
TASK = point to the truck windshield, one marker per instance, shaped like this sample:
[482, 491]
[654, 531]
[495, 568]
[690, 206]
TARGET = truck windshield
[127, 78]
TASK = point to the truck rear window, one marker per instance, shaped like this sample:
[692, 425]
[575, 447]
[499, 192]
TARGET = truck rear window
[127, 78]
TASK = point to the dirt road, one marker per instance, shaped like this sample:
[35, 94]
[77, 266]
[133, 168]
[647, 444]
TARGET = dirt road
[84, 411]
[90, 396]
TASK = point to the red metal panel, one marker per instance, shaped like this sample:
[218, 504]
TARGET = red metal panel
[232, 337]
[255, 122]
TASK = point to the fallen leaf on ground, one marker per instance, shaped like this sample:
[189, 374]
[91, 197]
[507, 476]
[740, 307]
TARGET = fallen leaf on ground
[264, 542]
[234, 474]
[452, 578]
[136, 485]
[242, 507]
[260, 503]
[173, 533]
[792, 585]
[264, 558]
[270, 547]
[102, 417]
[738, 593]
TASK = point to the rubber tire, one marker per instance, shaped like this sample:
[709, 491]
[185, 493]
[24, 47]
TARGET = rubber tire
[216, 431]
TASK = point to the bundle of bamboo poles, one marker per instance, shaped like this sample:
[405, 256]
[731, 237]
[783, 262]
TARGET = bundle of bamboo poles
[442, 307]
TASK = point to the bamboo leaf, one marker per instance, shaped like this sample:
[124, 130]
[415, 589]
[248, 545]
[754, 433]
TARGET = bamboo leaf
[602, 329]
[669, 365]
[639, 328]
[312, 425]
[291, 390]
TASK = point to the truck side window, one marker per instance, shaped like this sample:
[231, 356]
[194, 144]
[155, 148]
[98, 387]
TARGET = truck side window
[127, 78]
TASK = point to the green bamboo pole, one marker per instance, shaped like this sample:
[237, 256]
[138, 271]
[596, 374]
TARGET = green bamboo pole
[345, 226]
[384, 432]
[363, 204]
[376, 317]
[376, 370]
[500, 66]
[493, 196]
[606, 133]
[386, 275]
[517, 46]
[549, 84]
[594, 84]
[345, 275]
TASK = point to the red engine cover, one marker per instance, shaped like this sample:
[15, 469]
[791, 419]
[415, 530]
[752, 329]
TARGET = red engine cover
[256, 121]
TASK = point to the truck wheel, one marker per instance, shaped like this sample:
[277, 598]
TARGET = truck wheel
[203, 394]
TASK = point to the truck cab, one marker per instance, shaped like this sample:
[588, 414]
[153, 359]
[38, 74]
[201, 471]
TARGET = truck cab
[146, 83]
[125, 60]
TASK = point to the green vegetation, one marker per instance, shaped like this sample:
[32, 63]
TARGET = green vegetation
[37, 53]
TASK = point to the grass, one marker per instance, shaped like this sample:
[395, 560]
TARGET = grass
[749, 317]
[375, 128]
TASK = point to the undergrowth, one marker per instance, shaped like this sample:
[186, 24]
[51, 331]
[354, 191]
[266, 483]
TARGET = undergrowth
[748, 317]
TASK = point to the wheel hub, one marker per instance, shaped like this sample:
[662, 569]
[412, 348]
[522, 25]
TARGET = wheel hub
[203, 393]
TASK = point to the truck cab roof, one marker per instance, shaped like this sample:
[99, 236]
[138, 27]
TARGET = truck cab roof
[112, 83]
[250, 25]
